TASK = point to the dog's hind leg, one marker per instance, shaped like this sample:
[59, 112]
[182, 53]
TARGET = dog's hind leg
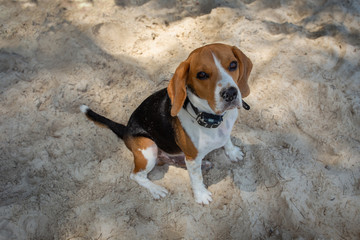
[145, 154]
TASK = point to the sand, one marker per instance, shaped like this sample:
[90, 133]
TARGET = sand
[63, 177]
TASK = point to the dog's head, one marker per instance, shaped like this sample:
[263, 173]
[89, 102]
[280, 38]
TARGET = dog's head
[217, 74]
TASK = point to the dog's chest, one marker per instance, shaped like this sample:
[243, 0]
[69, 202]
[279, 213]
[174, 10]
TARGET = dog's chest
[207, 139]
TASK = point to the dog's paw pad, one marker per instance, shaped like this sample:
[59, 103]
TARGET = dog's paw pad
[235, 154]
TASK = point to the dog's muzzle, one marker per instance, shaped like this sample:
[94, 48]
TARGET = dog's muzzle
[229, 94]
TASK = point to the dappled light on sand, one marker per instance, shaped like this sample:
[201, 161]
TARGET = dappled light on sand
[62, 177]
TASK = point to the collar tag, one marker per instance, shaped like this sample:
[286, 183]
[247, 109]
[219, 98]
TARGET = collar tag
[209, 120]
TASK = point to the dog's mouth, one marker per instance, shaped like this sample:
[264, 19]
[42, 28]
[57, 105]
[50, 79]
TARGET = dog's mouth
[234, 104]
[230, 105]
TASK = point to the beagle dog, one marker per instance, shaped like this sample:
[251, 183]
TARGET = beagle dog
[193, 116]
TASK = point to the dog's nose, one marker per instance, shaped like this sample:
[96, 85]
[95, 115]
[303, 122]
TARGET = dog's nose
[229, 94]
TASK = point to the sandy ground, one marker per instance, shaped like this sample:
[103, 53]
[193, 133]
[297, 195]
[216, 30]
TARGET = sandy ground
[62, 177]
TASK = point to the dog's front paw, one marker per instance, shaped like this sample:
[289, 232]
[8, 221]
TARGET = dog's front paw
[157, 191]
[234, 154]
[202, 196]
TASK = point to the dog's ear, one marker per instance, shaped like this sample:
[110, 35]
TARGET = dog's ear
[177, 88]
[245, 66]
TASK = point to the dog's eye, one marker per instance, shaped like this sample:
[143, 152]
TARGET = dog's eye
[202, 75]
[233, 66]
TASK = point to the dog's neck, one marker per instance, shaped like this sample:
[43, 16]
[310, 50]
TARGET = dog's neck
[204, 115]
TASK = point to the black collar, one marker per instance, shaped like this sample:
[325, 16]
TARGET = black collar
[204, 119]
[209, 120]
[245, 105]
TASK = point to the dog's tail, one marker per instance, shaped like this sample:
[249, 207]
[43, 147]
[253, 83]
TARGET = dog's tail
[117, 128]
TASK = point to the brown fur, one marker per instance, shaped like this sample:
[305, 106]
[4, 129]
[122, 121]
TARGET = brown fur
[184, 141]
[135, 145]
[176, 88]
[245, 66]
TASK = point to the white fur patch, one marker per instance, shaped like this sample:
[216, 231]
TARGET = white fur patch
[150, 154]
[207, 139]
[225, 81]
[84, 108]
